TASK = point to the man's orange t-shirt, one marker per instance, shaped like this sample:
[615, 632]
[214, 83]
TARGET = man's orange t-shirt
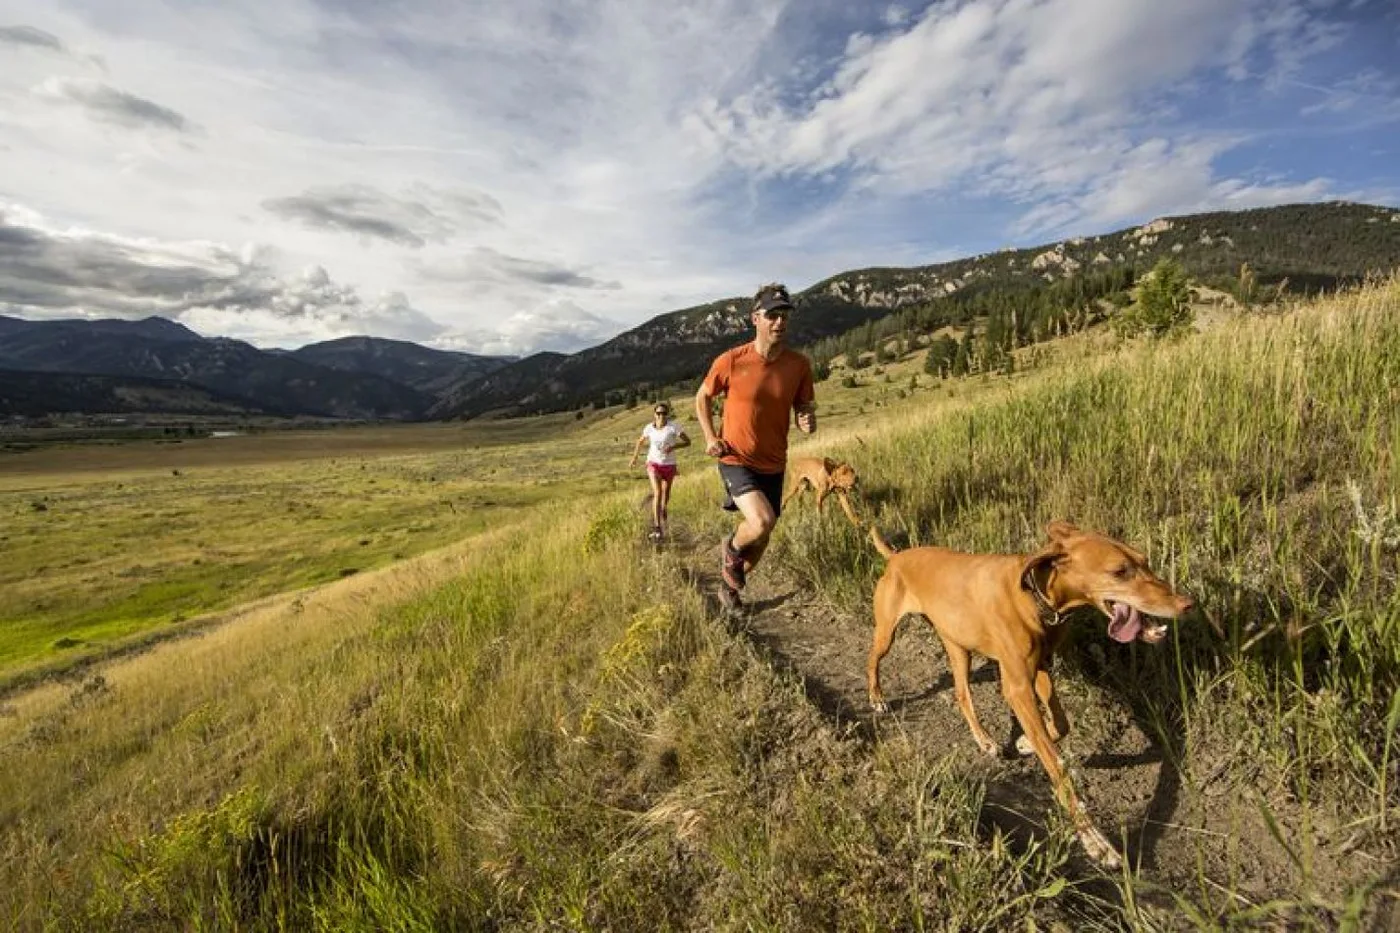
[759, 398]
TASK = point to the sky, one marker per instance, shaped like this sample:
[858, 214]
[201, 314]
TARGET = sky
[509, 177]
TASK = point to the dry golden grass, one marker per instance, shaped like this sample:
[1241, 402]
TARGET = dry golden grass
[543, 727]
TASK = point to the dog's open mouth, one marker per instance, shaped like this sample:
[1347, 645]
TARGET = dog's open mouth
[1125, 623]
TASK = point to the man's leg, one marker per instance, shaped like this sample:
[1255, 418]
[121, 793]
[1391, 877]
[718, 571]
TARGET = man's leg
[751, 537]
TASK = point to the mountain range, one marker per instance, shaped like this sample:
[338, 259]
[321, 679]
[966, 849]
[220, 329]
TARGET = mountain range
[164, 366]
[353, 378]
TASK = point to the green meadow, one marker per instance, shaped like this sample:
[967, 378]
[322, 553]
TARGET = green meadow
[486, 705]
[108, 546]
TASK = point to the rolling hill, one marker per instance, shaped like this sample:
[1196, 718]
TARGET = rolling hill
[158, 349]
[36, 394]
[421, 368]
[1305, 248]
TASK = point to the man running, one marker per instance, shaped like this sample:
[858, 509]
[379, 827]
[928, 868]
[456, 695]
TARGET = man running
[761, 381]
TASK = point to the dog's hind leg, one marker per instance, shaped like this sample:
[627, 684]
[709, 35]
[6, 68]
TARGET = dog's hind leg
[887, 614]
[797, 487]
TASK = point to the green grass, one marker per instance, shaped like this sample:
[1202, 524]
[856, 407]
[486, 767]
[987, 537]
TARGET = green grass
[1256, 467]
[94, 558]
[552, 732]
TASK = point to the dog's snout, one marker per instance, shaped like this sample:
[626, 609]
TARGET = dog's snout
[1185, 603]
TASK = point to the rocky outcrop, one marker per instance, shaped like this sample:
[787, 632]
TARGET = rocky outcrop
[1055, 259]
[1153, 229]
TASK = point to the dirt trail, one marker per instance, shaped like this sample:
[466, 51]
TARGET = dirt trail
[1175, 832]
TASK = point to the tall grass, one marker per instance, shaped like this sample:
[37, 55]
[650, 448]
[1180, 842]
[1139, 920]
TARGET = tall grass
[562, 735]
[1257, 467]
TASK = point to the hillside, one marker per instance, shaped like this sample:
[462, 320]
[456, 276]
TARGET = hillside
[1014, 297]
[421, 368]
[672, 348]
[158, 349]
[36, 394]
[1307, 247]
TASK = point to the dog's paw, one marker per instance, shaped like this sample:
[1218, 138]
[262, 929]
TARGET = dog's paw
[988, 747]
[879, 707]
[1100, 851]
[1025, 749]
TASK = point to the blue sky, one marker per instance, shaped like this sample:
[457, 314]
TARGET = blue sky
[508, 177]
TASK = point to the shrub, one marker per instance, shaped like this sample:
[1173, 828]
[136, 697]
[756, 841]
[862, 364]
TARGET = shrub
[1163, 305]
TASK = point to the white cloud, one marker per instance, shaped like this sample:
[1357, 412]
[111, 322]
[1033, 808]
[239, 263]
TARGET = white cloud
[341, 135]
[895, 16]
[418, 216]
[309, 312]
[560, 326]
[31, 37]
[50, 272]
[47, 272]
[1058, 105]
[486, 268]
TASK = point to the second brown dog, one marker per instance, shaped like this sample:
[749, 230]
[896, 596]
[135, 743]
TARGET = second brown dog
[823, 476]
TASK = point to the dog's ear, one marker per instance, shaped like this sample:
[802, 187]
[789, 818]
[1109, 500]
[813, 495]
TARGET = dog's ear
[1045, 557]
[1059, 530]
[1133, 552]
[830, 464]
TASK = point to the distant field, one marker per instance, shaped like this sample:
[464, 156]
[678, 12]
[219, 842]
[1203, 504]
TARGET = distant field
[60, 452]
[102, 543]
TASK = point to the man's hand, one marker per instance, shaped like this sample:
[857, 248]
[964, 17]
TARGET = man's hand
[716, 448]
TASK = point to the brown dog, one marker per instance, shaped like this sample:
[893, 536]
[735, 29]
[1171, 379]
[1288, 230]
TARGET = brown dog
[1009, 607]
[823, 476]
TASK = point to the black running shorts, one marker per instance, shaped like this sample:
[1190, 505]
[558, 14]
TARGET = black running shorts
[740, 479]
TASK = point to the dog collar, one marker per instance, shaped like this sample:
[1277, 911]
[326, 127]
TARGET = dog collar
[1046, 612]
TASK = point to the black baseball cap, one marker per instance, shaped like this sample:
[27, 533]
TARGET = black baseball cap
[774, 300]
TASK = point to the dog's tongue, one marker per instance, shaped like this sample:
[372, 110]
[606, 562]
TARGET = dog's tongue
[1125, 624]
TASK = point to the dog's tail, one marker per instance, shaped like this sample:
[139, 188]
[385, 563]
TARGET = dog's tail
[881, 544]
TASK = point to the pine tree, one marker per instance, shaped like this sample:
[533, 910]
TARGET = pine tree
[1163, 303]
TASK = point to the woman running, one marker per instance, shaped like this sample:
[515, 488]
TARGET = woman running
[664, 436]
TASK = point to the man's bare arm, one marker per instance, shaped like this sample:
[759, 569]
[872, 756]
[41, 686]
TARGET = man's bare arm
[806, 417]
[714, 444]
